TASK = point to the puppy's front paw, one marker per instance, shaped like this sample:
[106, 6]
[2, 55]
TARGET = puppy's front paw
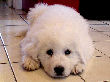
[78, 69]
[30, 65]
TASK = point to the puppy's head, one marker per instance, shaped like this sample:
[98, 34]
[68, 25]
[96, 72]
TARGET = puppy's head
[57, 55]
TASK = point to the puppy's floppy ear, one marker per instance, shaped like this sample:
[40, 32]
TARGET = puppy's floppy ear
[29, 47]
[86, 50]
[34, 13]
[30, 56]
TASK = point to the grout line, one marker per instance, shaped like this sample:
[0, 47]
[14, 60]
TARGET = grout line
[94, 29]
[102, 52]
[100, 32]
[82, 78]
[15, 62]
[98, 49]
[104, 22]
[21, 18]
[3, 63]
[24, 19]
[99, 24]
[107, 35]
[21, 14]
[3, 45]
[97, 56]
[8, 57]
[13, 25]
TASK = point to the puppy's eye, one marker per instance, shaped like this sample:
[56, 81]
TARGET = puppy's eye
[50, 52]
[67, 52]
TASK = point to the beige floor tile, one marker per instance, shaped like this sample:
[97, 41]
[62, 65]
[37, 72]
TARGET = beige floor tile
[24, 17]
[103, 46]
[9, 17]
[7, 30]
[9, 37]
[19, 11]
[98, 36]
[13, 48]
[5, 10]
[8, 14]
[107, 22]
[5, 73]
[91, 30]
[94, 22]
[0, 43]
[103, 28]
[98, 69]
[40, 76]
[11, 22]
[2, 30]
[12, 41]
[14, 52]
[3, 57]
[107, 33]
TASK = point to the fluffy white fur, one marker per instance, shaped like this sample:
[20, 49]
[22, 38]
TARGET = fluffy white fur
[59, 28]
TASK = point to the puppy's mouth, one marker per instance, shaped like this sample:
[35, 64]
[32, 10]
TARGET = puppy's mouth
[59, 76]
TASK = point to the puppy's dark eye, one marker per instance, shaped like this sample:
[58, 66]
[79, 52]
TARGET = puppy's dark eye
[67, 52]
[50, 52]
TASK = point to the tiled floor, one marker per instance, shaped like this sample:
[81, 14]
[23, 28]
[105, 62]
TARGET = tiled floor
[98, 70]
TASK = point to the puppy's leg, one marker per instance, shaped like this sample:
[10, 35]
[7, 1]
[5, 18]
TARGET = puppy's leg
[29, 52]
[29, 63]
[78, 68]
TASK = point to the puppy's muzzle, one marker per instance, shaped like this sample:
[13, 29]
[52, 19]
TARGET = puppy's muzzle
[59, 70]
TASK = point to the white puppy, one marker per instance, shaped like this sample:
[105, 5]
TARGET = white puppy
[58, 39]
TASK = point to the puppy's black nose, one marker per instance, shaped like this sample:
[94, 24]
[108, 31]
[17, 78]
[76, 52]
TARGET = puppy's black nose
[59, 70]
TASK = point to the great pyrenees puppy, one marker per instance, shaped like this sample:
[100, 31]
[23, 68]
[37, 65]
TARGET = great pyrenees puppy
[58, 39]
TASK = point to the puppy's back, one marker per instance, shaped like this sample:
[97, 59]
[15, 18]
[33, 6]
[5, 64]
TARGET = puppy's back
[36, 12]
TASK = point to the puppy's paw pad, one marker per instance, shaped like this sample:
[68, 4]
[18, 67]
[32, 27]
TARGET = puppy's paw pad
[78, 69]
[30, 65]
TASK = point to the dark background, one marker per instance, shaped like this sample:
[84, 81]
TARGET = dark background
[95, 9]
[90, 9]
